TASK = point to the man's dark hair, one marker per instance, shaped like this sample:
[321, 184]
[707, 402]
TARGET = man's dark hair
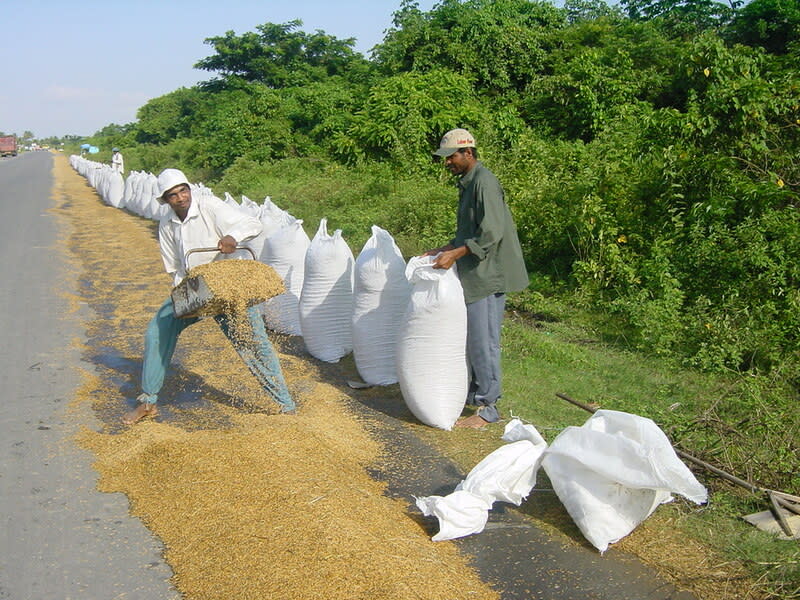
[474, 151]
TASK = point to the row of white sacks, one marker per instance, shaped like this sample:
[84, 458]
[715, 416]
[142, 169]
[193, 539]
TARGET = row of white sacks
[404, 322]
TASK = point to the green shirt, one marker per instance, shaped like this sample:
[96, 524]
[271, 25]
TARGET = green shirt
[485, 225]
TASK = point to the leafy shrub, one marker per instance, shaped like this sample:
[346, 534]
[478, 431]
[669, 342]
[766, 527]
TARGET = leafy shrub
[405, 116]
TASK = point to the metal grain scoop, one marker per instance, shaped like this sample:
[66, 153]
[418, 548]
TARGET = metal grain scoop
[192, 297]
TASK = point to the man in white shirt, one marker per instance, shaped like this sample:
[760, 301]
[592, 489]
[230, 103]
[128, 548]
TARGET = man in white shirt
[201, 222]
[117, 163]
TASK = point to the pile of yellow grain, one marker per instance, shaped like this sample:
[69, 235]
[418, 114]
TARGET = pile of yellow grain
[236, 285]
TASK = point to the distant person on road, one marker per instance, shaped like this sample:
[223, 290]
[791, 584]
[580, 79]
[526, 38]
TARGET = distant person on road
[201, 223]
[117, 164]
[490, 264]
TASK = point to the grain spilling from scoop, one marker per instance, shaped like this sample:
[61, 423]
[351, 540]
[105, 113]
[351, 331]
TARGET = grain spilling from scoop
[225, 286]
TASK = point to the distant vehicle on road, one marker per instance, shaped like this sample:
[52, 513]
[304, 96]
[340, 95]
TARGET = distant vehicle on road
[8, 145]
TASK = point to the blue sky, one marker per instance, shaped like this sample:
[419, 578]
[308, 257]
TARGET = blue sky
[72, 67]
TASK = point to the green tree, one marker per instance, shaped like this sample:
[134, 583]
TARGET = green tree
[113, 135]
[167, 117]
[281, 56]
[321, 113]
[682, 17]
[405, 116]
[596, 69]
[579, 11]
[771, 24]
[498, 43]
[248, 122]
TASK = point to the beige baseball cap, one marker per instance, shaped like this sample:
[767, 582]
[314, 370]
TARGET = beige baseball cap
[453, 140]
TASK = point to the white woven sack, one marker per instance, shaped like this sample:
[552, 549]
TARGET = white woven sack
[138, 191]
[92, 175]
[250, 207]
[271, 215]
[102, 181]
[326, 301]
[285, 250]
[127, 192]
[460, 514]
[149, 192]
[134, 203]
[231, 201]
[508, 474]
[116, 189]
[431, 350]
[272, 219]
[380, 296]
[613, 472]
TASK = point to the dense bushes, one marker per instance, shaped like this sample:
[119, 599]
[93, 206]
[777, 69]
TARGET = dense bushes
[649, 159]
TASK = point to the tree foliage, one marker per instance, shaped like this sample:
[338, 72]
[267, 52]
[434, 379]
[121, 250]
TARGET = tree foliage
[682, 17]
[167, 117]
[280, 55]
[405, 115]
[771, 24]
[499, 44]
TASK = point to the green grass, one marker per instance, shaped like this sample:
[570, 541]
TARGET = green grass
[774, 565]
[542, 359]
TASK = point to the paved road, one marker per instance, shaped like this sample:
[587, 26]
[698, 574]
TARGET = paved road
[59, 538]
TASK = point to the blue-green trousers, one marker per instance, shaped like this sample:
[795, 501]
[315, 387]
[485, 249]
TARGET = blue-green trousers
[259, 356]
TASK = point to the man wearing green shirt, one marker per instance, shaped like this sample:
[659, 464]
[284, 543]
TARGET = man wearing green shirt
[490, 264]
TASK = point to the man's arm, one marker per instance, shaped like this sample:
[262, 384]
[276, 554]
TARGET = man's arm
[233, 225]
[169, 248]
[447, 258]
[227, 244]
[435, 251]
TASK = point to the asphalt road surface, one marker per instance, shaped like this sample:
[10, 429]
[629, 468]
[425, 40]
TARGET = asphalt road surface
[61, 539]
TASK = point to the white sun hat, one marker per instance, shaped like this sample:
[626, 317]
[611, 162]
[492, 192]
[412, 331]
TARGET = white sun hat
[168, 179]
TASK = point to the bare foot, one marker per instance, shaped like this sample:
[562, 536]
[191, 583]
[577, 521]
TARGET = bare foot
[142, 410]
[472, 422]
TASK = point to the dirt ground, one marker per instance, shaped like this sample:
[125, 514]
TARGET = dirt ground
[244, 498]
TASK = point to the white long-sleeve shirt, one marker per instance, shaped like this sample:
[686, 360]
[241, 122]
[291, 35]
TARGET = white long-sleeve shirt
[209, 219]
[117, 163]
